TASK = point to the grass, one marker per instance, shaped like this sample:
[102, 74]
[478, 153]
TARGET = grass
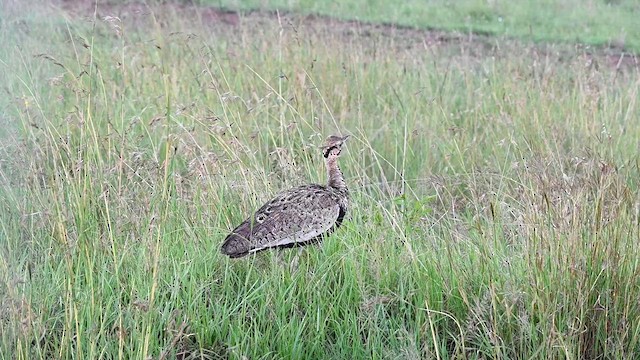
[494, 192]
[593, 22]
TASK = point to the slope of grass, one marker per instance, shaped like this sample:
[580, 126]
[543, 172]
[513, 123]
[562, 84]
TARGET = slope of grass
[494, 197]
[595, 22]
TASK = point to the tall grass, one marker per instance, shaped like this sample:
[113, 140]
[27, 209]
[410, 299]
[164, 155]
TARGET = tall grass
[494, 190]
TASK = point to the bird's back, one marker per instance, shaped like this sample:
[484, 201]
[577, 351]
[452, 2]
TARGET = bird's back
[295, 217]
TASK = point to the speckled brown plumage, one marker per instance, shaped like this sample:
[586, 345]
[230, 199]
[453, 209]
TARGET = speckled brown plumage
[298, 216]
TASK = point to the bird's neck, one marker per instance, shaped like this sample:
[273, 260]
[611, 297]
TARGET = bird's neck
[336, 179]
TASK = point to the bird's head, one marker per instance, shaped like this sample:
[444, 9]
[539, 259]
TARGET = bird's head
[333, 146]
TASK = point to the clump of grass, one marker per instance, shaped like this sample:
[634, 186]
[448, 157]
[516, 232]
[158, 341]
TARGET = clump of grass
[494, 196]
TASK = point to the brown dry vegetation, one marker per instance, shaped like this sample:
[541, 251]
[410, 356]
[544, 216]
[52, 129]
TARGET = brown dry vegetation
[494, 183]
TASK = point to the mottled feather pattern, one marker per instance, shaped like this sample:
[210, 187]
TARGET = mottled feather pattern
[299, 215]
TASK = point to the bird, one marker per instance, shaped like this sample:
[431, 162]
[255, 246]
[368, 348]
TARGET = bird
[299, 216]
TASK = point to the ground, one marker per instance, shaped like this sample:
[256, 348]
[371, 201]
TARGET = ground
[403, 37]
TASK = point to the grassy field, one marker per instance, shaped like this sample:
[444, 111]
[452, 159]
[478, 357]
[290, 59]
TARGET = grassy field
[495, 208]
[595, 22]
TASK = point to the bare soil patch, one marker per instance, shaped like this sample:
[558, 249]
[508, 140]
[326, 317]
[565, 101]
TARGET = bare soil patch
[400, 37]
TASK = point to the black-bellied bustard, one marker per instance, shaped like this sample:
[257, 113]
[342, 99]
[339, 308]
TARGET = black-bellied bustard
[298, 216]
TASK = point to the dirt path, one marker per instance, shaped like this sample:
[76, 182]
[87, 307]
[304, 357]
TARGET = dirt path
[402, 37]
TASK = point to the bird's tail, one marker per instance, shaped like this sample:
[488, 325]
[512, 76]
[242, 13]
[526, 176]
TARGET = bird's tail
[237, 243]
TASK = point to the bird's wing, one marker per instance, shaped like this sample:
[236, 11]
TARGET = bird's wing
[295, 216]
